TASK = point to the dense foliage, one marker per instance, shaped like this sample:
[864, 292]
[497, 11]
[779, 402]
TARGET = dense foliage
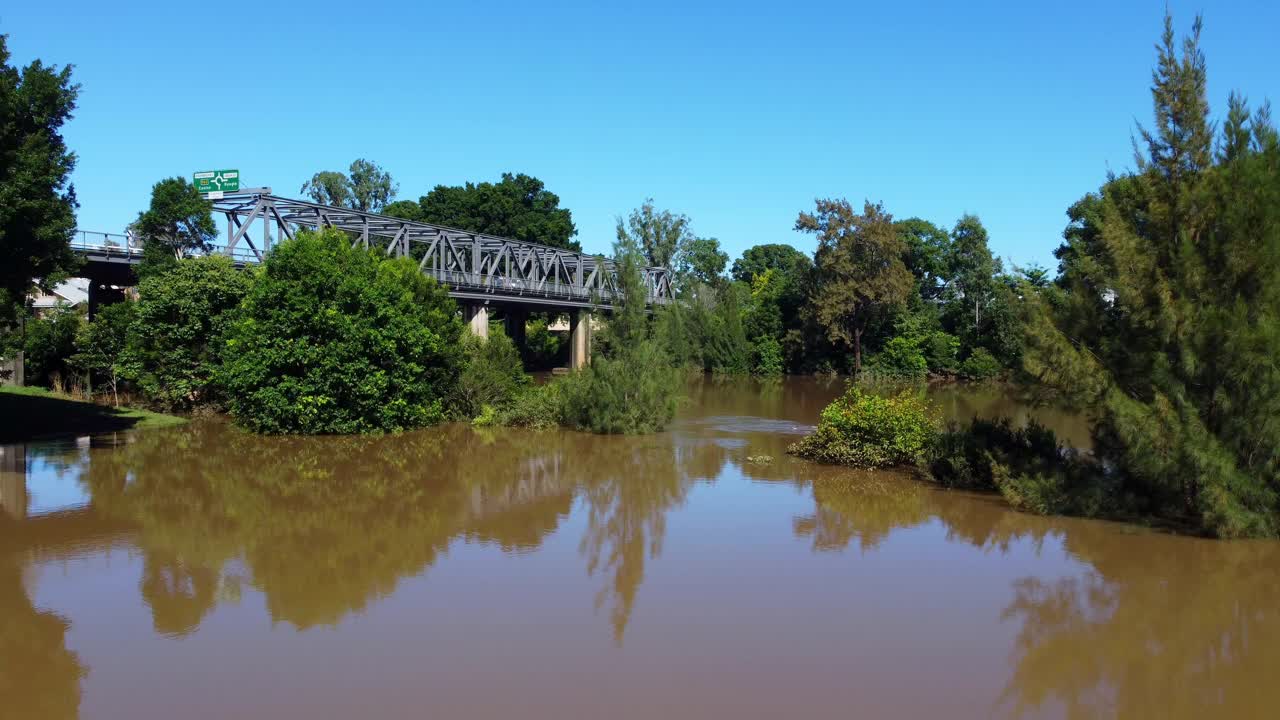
[49, 343]
[517, 206]
[177, 340]
[1167, 319]
[868, 430]
[336, 339]
[102, 344]
[178, 223]
[492, 374]
[37, 200]
[365, 187]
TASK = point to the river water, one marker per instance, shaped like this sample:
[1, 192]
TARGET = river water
[200, 572]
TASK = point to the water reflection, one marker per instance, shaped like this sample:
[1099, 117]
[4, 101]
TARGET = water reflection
[1157, 625]
[1135, 624]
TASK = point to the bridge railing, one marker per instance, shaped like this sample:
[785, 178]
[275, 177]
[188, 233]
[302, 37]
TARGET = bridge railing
[109, 243]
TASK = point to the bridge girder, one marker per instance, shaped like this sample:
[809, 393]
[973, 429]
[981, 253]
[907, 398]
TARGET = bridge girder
[473, 265]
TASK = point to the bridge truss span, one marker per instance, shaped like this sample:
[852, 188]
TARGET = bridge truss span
[474, 266]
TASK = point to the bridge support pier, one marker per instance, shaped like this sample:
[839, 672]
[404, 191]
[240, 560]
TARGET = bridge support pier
[515, 326]
[477, 317]
[579, 339]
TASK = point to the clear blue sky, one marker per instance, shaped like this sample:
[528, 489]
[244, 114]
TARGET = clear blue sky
[738, 115]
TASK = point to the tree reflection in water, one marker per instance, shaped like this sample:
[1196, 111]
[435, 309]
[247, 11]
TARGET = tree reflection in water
[1157, 626]
[39, 676]
[323, 527]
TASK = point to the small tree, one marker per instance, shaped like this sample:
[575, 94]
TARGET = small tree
[102, 343]
[178, 222]
[658, 233]
[860, 273]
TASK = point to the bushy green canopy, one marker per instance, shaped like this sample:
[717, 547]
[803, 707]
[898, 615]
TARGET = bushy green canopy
[1168, 323]
[336, 339]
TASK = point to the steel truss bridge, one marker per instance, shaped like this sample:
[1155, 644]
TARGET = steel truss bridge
[475, 267]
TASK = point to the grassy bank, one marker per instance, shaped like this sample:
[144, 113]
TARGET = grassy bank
[28, 413]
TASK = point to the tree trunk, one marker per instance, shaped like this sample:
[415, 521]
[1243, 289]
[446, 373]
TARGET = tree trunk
[857, 351]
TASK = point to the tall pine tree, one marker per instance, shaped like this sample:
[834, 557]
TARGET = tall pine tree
[1169, 329]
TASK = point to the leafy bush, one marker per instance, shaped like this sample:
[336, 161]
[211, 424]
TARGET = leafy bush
[542, 348]
[179, 333]
[940, 350]
[980, 365]
[492, 374]
[101, 346]
[868, 430]
[768, 357]
[901, 358]
[633, 392]
[336, 339]
[1028, 466]
[538, 406]
[48, 345]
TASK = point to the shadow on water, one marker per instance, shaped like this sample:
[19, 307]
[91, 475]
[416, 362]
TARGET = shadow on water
[325, 527]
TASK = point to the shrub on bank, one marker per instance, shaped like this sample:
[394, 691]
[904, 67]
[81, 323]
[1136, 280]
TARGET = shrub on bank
[336, 339]
[492, 374]
[902, 359]
[980, 365]
[867, 430]
[538, 407]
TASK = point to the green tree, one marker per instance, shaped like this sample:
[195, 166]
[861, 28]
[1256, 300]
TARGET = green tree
[1170, 320]
[336, 339]
[928, 248]
[365, 187]
[518, 207]
[971, 269]
[37, 200]
[178, 222]
[177, 341]
[102, 345]
[371, 186]
[701, 261]
[405, 210]
[328, 187]
[658, 233]
[48, 345]
[492, 374]
[859, 268]
[757, 259]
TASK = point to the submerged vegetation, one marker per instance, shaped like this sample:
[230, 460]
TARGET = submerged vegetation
[868, 430]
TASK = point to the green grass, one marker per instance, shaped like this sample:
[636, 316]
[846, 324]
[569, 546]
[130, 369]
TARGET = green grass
[28, 413]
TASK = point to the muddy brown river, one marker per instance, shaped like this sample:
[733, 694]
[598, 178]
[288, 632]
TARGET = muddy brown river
[201, 572]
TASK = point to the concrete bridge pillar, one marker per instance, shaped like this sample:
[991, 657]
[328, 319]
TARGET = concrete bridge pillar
[477, 317]
[515, 327]
[579, 339]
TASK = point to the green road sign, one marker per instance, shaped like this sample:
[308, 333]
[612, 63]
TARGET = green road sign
[217, 181]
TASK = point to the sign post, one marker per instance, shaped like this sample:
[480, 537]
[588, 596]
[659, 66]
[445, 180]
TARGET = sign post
[217, 181]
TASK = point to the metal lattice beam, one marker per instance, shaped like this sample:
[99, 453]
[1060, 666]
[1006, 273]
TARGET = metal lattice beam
[473, 265]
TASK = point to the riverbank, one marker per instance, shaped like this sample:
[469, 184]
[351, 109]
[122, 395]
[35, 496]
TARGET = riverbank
[28, 413]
